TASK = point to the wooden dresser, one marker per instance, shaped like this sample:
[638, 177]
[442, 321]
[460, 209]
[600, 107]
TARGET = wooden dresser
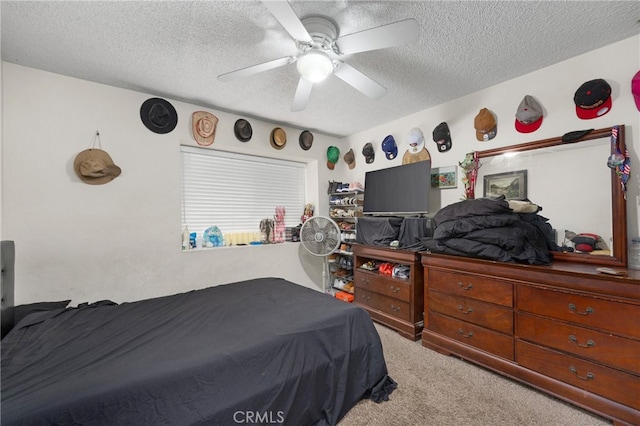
[564, 329]
[395, 302]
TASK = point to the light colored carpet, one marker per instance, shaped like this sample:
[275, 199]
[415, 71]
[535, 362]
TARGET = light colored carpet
[434, 389]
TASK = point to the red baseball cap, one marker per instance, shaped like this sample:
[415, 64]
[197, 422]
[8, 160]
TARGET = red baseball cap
[593, 99]
[635, 89]
[529, 115]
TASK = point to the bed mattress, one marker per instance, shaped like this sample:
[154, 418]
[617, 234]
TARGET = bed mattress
[252, 352]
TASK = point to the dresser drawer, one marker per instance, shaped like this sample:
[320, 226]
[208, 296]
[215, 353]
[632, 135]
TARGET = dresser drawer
[619, 352]
[470, 334]
[388, 286]
[498, 318]
[606, 315]
[472, 286]
[601, 380]
[389, 305]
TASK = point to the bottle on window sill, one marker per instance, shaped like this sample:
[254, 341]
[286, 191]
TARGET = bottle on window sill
[185, 238]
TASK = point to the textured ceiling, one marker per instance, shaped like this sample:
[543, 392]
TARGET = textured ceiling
[176, 49]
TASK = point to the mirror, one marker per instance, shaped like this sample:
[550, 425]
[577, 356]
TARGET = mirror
[571, 182]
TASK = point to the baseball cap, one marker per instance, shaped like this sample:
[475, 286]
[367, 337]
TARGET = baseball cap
[635, 89]
[350, 158]
[389, 147]
[529, 115]
[593, 99]
[486, 126]
[442, 137]
[333, 153]
[416, 140]
[369, 152]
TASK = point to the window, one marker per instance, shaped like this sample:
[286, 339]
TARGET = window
[236, 191]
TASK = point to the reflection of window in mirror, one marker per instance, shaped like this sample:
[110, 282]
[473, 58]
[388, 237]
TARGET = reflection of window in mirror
[571, 183]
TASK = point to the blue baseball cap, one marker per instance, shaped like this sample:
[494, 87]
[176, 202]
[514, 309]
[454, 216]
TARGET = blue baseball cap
[389, 147]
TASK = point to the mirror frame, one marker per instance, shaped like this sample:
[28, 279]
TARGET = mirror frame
[618, 200]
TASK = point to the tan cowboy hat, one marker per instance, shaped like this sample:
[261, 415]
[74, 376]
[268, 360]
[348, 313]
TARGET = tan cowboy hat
[204, 127]
[94, 166]
[278, 138]
[409, 157]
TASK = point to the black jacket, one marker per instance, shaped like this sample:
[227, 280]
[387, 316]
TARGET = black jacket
[488, 228]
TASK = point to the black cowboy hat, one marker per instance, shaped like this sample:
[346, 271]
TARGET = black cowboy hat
[243, 130]
[158, 115]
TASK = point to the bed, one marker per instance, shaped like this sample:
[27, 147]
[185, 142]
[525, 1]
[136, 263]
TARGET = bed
[262, 351]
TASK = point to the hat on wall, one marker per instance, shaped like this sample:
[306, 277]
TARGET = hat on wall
[243, 130]
[486, 126]
[278, 138]
[95, 167]
[635, 89]
[593, 99]
[350, 158]
[158, 115]
[204, 127]
[305, 140]
[416, 140]
[442, 137]
[389, 147]
[333, 153]
[575, 135]
[529, 115]
[369, 153]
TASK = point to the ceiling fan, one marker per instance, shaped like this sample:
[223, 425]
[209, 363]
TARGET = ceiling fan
[320, 48]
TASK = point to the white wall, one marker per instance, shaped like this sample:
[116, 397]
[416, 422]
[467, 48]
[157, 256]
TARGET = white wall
[120, 241]
[554, 87]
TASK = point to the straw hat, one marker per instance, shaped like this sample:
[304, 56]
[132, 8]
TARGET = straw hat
[278, 138]
[204, 127]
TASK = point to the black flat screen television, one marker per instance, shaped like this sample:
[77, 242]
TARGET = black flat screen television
[398, 191]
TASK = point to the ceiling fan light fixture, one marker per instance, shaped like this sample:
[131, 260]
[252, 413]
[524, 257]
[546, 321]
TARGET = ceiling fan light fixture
[315, 65]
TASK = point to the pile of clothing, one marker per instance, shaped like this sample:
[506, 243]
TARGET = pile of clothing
[495, 229]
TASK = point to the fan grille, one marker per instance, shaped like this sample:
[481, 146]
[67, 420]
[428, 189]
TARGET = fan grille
[320, 235]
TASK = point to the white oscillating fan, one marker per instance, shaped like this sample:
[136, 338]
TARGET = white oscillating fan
[320, 235]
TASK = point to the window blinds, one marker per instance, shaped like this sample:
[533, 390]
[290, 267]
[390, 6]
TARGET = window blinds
[236, 191]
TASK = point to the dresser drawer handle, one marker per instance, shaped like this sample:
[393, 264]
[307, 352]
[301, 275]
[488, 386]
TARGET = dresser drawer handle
[589, 344]
[365, 280]
[466, 336]
[367, 298]
[588, 311]
[465, 288]
[395, 308]
[395, 289]
[467, 312]
[589, 376]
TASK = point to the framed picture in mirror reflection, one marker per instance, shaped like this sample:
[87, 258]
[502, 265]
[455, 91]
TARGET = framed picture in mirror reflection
[513, 185]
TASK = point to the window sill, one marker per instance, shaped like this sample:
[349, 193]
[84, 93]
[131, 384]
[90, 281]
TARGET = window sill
[237, 246]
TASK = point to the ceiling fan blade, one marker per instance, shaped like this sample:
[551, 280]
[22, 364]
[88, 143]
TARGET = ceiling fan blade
[302, 95]
[283, 12]
[255, 69]
[401, 32]
[361, 82]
